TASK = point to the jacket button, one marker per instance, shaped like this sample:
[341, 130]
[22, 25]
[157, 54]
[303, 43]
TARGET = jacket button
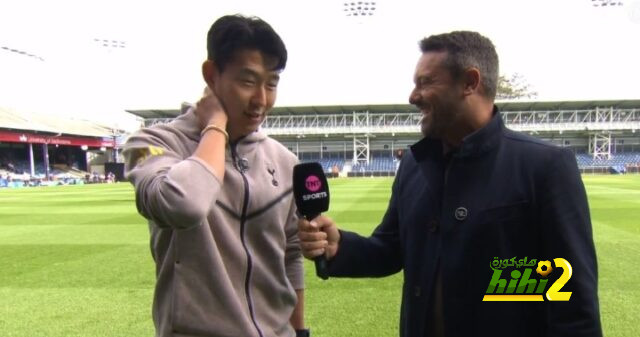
[416, 291]
[433, 226]
[461, 213]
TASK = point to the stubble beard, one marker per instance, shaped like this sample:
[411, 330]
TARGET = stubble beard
[431, 127]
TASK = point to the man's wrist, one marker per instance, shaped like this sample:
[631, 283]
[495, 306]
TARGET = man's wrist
[303, 333]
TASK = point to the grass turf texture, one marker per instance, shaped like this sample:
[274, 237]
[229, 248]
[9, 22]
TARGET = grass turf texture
[75, 261]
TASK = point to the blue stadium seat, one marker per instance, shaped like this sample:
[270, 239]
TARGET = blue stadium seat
[616, 160]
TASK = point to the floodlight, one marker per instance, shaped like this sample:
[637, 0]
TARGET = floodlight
[359, 8]
[606, 3]
[21, 52]
[110, 44]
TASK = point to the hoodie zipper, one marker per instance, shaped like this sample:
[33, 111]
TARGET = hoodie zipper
[243, 220]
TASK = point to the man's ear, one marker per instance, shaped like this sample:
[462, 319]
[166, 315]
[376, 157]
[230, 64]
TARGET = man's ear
[209, 73]
[472, 78]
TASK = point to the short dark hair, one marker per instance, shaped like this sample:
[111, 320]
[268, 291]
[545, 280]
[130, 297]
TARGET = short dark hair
[467, 49]
[232, 33]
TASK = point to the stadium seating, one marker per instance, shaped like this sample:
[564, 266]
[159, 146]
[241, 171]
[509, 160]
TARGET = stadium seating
[619, 162]
[327, 163]
[616, 160]
[381, 164]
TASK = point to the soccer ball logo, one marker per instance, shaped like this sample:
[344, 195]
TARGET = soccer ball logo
[544, 268]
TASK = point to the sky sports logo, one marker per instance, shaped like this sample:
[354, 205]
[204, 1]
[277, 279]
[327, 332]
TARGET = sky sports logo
[529, 280]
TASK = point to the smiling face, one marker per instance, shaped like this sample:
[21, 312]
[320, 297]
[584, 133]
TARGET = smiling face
[437, 94]
[247, 88]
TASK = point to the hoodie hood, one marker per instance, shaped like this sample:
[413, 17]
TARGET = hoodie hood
[189, 125]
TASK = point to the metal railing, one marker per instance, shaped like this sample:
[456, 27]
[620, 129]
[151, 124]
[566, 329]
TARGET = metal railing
[364, 122]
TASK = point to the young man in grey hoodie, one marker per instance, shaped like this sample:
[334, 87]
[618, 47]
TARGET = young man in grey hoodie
[217, 194]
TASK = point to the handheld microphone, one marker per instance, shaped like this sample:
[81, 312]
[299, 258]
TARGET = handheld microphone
[311, 192]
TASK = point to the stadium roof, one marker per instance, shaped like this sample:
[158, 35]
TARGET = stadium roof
[27, 121]
[567, 105]
[156, 113]
[398, 108]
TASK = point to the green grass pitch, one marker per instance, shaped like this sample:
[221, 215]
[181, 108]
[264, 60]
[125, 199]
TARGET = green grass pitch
[75, 261]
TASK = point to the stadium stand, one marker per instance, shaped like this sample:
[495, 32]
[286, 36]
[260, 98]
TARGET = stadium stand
[327, 164]
[376, 165]
[38, 149]
[617, 162]
[364, 140]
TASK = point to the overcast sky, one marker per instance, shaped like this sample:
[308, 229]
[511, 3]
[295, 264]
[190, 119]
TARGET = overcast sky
[567, 50]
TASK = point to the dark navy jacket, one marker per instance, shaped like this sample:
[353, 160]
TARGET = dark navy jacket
[502, 194]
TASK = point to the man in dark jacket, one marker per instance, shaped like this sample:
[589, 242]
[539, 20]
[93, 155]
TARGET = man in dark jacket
[469, 194]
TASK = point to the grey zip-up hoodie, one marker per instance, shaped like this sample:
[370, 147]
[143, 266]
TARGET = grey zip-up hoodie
[227, 255]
